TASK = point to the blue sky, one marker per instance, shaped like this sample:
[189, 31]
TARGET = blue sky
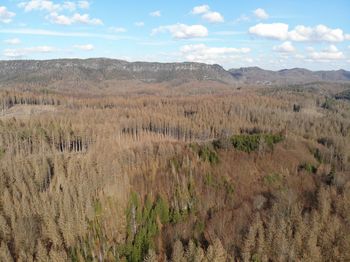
[267, 33]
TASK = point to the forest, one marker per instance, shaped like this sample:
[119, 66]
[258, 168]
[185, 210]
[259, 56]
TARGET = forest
[254, 174]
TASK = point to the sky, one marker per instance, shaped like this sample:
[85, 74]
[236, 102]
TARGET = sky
[271, 34]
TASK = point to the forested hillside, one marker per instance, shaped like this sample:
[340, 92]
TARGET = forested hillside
[103, 75]
[252, 175]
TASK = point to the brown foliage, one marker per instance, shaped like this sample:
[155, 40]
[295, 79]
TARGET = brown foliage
[62, 170]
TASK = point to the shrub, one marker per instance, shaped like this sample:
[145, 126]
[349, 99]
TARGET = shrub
[222, 143]
[317, 155]
[162, 210]
[206, 153]
[219, 182]
[272, 179]
[296, 108]
[328, 104]
[250, 143]
[308, 167]
[2, 152]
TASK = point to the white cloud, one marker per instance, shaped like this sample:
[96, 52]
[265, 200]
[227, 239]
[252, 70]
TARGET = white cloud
[50, 6]
[275, 30]
[347, 36]
[76, 18]
[299, 33]
[117, 29]
[201, 9]
[42, 5]
[155, 13]
[286, 47]
[5, 15]
[13, 41]
[84, 4]
[331, 53]
[85, 19]
[88, 47]
[139, 24]
[205, 54]
[261, 13]
[213, 17]
[59, 19]
[210, 16]
[182, 31]
[20, 52]
[318, 33]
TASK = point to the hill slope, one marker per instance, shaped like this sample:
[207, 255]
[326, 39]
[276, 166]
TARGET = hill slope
[101, 73]
[256, 75]
[98, 71]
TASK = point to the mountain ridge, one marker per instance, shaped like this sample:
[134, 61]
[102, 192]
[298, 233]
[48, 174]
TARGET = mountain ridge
[73, 72]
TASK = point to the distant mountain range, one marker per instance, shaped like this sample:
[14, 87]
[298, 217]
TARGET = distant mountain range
[256, 75]
[98, 72]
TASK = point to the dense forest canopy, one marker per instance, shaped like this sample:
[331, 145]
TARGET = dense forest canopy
[257, 174]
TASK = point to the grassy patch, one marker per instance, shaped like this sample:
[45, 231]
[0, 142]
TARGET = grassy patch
[272, 179]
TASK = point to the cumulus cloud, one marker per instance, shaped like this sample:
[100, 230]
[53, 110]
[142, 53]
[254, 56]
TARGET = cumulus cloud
[55, 8]
[155, 13]
[5, 15]
[318, 33]
[20, 52]
[330, 53]
[300, 33]
[205, 54]
[88, 47]
[182, 31]
[261, 13]
[201, 9]
[207, 14]
[286, 47]
[213, 17]
[42, 5]
[12, 41]
[50, 6]
[76, 18]
[139, 24]
[275, 30]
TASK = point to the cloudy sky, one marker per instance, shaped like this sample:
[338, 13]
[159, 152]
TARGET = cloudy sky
[272, 34]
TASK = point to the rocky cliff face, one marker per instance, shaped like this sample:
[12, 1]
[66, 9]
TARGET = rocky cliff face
[100, 69]
[101, 72]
